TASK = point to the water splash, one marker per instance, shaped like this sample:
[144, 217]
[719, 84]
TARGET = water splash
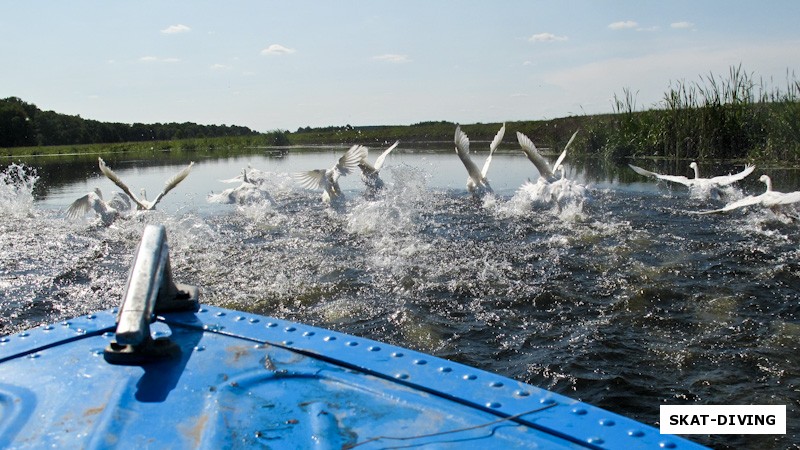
[16, 190]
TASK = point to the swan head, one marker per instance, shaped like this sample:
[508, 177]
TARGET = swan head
[693, 165]
[766, 180]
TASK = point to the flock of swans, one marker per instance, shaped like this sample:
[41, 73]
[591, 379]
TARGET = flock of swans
[549, 187]
[770, 199]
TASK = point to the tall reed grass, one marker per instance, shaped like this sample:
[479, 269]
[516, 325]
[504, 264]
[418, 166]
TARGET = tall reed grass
[733, 117]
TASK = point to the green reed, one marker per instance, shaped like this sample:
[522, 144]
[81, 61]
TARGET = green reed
[732, 117]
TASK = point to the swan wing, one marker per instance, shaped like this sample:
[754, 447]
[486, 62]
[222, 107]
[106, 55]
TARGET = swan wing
[533, 155]
[172, 182]
[81, 206]
[741, 203]
[382, 157]
[350, 159]
[492, 147]
[462, 150]
[116, 180]
[312, 179]
[673, 178]
[564, 153]
[728, 179]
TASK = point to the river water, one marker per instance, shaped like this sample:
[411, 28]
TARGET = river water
[615, 294]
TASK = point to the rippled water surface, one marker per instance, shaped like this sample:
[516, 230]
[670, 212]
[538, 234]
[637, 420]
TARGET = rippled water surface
[615, 295]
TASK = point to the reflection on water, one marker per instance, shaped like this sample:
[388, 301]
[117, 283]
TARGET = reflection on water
[615, 296]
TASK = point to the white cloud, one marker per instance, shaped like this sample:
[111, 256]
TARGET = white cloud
[546, 37]
[277, 49]
[156, 59]
[220, 67]
[682, 25]
[392, 58]
[623, 25]
[175, 29]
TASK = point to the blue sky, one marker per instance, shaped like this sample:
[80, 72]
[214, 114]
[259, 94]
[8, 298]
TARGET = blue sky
[283, 65]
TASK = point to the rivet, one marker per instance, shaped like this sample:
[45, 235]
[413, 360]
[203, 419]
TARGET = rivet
[4, 339]
[522, 393]
[445, 369]
[496, 384]
[290, 329]
[24, 334]
[351, 343]
[34, 355]
[254, 320]
[287, 343]
[607, 422]
[80, 331]
[493, 405]
[374, 348]
[397, 354]
[47, 327]
[199, 348]
[401, 376]
[238, 318]
[308, 333]
[595, 440]
[220, 313]
[667, 444]
[579, 411]
[635, 433]
[547, 401]
[329, 338]
[97, 351]
[470, 377]
[108, 334]
[271, 324]
[420, 362]
[202, 310]
[91, 316]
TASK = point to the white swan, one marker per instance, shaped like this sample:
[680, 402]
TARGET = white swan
[370, 174]
[545, 171]
[477, 183]
[328, 179]
[250, 175]
[250, 190]
[107, 211]
[719, 181]
[770, 199]
[142, 203]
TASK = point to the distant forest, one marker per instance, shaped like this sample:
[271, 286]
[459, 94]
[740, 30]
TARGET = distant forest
[25, 125]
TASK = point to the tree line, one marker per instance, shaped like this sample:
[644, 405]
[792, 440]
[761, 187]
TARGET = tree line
[23, 124]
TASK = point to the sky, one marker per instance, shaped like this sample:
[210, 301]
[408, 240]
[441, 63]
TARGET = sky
[272, 65]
